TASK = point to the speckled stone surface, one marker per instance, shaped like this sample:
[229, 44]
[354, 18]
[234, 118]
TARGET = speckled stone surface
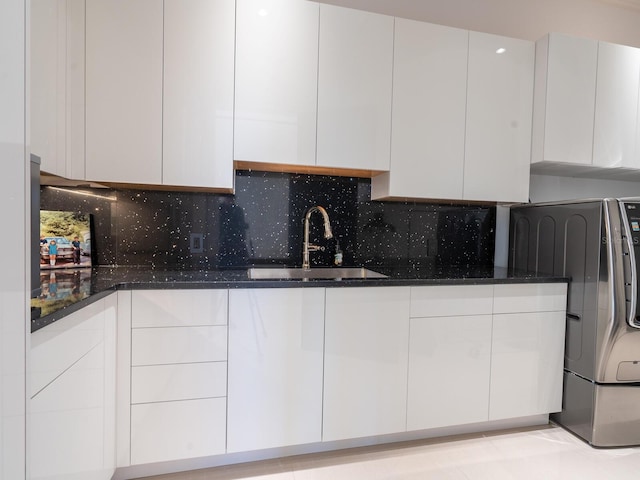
[263, 224]
[75, 289]
[144, 239]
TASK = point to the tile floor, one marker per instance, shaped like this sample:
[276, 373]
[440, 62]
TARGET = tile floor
[547, 453]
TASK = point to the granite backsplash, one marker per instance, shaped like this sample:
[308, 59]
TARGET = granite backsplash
[263, 224]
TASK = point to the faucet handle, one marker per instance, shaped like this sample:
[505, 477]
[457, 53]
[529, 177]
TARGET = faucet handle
[315, 248]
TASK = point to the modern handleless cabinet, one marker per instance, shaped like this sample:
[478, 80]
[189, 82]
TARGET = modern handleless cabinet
[276, 341]
[462, 104]
[178, 374]
[365, 362]
[124, 60]
[72, 428]
[276, 81]
[354, 89]
[449, 356]
[197, 100]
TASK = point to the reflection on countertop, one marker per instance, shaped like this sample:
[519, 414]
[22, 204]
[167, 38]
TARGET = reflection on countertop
[64, 292]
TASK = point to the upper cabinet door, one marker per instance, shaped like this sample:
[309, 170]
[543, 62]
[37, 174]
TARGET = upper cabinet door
[499, 109]
[57, 86]
[618, 80]
[429, 101]
[198, 93]
[564, 99]
[276, 81]
[124, 91]
[354, 89]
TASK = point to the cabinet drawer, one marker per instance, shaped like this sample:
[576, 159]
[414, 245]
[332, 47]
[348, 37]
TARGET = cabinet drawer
[444, 301]
[161, 383]
[538, 297]
[177, 430]
[175, 308]
[159, 346]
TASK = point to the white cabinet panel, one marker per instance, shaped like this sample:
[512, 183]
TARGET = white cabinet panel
[57, 346]
[616, 111]
[564, 99]
[47, 89]
[124, 90]
[276, 81]
[162, 383]
[366, 357]
[539, 297]
[72, 419]
[441, 301]
[275, 367]
[174, 308]
[354, 89]
[498, 126]
[449, 364]
[429, 102]
[159, 346]
[197, 109]
[177, 430]
[526, 364]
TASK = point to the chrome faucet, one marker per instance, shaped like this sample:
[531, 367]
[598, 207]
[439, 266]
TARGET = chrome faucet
[309, 247]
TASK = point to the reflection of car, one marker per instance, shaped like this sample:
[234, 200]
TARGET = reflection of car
[65, 249]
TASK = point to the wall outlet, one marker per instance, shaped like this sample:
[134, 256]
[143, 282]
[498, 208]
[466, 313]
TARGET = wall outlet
[196, 243]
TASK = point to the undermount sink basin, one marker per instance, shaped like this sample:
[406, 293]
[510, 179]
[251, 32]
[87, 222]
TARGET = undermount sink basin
[320, 273]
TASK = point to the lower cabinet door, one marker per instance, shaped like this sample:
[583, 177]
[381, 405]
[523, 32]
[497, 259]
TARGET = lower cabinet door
[68, 429]
[527, 358]
[176, 430]
[275, 367]
[365, 370]
[449, 366]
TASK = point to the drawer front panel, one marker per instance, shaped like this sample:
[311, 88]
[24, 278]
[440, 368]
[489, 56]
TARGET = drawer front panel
[174, 308]
[537, 297]
[162, 383]
[161, 346]
[445, 301]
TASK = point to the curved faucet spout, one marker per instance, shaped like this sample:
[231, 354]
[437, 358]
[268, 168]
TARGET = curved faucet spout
[308, 247]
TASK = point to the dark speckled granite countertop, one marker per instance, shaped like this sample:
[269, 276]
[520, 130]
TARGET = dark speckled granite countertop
[66, 291]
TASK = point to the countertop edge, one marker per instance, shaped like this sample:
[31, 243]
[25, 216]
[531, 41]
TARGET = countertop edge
[37, 324]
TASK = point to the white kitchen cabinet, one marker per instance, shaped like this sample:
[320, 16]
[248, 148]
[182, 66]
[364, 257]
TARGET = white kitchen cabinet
[449, 371]
[186, 308]
[178, 365]
[197, 96]
[165, 431]
[276, 81]
[462, 105]
[354, 89]
[124, 56]
[527, 353]
[428, 112]
[57, 86]
[498, 118]
[72, 417]
[275, 367]
[168, 345]
[616, 107]
[449, 355]
[564, 99]
[366, 361]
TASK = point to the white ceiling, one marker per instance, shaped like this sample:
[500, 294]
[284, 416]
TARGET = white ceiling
[616, 21]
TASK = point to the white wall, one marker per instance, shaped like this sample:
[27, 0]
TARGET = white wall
[528, 19]
[13, 282]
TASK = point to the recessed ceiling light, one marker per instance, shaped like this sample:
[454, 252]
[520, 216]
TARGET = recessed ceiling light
[501, 50]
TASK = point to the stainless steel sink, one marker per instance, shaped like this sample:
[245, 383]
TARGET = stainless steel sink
[297, 273]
